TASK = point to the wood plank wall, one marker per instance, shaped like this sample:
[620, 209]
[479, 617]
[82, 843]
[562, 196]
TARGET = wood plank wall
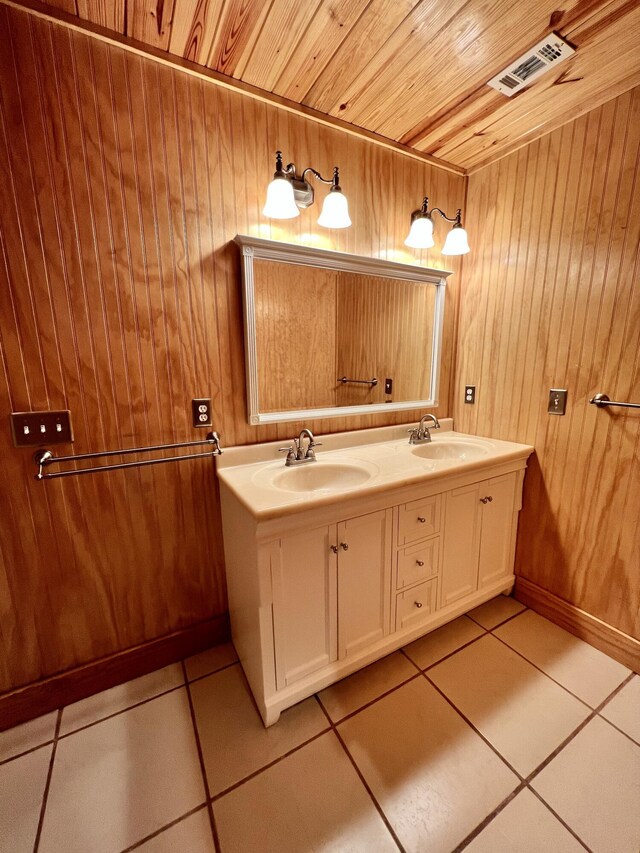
[552, 300]
[121, 184]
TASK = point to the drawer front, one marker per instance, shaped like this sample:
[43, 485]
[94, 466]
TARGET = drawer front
[416, 604]
[419, 519]
[418, 562]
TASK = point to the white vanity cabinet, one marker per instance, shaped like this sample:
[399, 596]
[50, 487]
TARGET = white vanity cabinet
[321, 590]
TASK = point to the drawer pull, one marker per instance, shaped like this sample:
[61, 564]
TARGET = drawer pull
[486, 500]
[344, 546]
[419, 562]
[421, 519]
[334, 548]
[418, 604]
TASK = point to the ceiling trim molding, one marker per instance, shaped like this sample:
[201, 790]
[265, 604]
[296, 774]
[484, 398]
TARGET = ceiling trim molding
[72, 22]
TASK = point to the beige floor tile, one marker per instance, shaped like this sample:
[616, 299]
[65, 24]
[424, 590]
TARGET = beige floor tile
[27, 736]
[594, 785]
[519, 710]
[434, 778]
[525, 826]
[495, 611]
[191, 835]
[585, 671]
[22, 783]
[101, 705]
[366, 685]
[312, 800]
[210, 660]
[624, 709]
[118, 781]
[234, 741]
[443, 641]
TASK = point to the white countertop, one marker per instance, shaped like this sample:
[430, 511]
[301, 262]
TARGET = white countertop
[256, 473]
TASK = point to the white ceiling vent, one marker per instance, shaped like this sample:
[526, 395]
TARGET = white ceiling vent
[531, 65]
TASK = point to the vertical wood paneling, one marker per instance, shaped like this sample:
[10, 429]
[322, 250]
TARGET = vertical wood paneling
[122, 185]
[552, 299]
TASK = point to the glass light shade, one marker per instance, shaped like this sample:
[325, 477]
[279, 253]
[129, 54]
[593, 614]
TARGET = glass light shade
[280, 202]
[421, 233]
[456, 242]
[335, 211]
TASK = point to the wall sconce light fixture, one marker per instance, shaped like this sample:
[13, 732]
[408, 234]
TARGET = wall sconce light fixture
[289, 191]
[421, 232]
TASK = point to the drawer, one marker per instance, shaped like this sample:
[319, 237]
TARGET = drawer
[419, 519]
[416, 604]
[418, 562]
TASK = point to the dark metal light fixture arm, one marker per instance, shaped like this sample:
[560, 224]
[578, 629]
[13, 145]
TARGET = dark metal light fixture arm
[455, 218]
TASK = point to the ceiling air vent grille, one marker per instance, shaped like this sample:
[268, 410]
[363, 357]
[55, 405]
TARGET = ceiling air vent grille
[531, 65]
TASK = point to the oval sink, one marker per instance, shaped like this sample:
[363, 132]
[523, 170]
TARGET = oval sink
[448, 449]
[316, 476]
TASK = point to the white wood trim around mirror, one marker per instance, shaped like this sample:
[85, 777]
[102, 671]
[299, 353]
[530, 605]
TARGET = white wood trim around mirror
[255, 247]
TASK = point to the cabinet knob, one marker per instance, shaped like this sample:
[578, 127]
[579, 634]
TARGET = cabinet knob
[334, 548]
[486, 500]
[344, 546]
[419, 562]
[418, 604]
[421, 519]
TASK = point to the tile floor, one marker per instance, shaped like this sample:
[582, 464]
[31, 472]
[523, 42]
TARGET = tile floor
[497, 733]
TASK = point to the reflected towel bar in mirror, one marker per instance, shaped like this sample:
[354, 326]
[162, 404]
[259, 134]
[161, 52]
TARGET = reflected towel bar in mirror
[42, 458]
[601, 400]
[371, 382]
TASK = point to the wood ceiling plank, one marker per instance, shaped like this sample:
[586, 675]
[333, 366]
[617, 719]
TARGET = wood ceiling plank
[150, 21]
[332, 23]
[283, 28]
[238, 31]
[65, 5]
[107, 13]
[365, 39]
[195, 23]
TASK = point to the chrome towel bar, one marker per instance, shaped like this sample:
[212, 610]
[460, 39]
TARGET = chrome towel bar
[371, 382]
[43, 458]
[601, 400]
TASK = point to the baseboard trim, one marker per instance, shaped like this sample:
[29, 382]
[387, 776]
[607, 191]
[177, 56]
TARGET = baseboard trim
[592, 630]
[51, 693]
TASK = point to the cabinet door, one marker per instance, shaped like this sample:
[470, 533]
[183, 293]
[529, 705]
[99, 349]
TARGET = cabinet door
[461, 543]
[498, 529]
[364, 581]
[303, 577]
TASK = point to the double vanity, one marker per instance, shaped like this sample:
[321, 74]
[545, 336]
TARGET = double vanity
[336, 562]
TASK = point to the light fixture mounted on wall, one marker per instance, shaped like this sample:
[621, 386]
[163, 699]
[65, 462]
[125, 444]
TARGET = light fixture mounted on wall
[421, 233]
[289, 191]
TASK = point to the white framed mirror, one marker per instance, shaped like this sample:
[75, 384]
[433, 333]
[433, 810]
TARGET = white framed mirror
[328, 334]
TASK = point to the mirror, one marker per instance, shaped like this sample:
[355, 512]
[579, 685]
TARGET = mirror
[330, 334]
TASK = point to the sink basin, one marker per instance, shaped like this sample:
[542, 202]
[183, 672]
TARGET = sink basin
[319, 476]
[449, 449]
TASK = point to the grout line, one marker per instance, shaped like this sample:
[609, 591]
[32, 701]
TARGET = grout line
[509, 618]
[360, 775]
[475, 729]
[165, 827]
[618, 729]
[121, 711]
[45, 794]
[214, 831]
[455, 652]
[557, 816]
[213, 672]
[26, 751]
[503, 621]
[489, 818]
[371, 701]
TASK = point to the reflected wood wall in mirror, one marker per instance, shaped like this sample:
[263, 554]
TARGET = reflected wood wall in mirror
[314, 316]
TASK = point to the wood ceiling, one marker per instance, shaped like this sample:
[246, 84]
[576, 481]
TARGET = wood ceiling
[413, 71]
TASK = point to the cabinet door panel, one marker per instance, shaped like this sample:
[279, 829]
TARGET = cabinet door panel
[304, 576]
[461, 544]
[498, 529]
[416, 605]
[364, 581]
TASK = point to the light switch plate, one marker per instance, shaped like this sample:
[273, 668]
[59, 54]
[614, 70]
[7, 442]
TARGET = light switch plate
[37, 429]
[557, 404]
[201, 412]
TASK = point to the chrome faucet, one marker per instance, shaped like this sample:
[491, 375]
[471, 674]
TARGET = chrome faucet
[295, 452]
[421, 434]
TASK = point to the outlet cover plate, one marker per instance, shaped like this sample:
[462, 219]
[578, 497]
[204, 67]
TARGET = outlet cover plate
[557, 404]
[201, 412]
[469, 393]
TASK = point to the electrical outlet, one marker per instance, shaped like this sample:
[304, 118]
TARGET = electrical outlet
[469, 393]
[388, 386]
[557, 404]
[201, 412]
[31, 429]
